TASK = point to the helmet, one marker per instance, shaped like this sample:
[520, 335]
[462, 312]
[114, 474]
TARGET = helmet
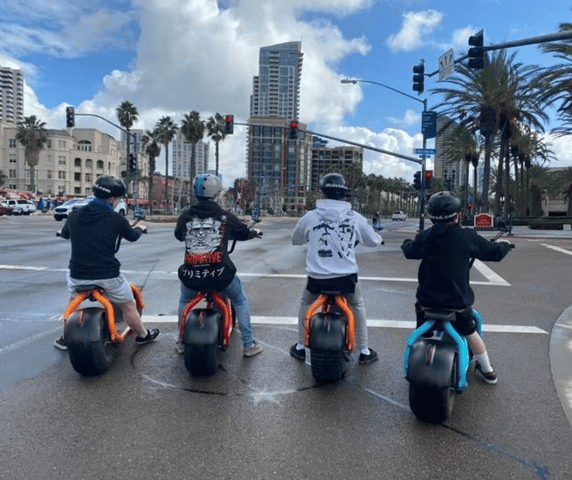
[334, 186]
[206, 185]
[106, 186]
[443, 206]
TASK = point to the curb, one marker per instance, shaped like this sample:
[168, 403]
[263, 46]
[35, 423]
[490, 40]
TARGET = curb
[560, 354]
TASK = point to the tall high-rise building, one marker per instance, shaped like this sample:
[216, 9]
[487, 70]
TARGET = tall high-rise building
[451, 170]
[11, 95]
[276, 89]
[180, 153]
[278, 162]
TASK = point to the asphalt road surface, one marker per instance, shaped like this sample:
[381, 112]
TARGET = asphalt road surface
[264, 417]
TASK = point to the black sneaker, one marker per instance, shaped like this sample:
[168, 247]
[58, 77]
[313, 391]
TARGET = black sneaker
[490, 377]
[59, 343]
[365, 359]
[151, 335]
[299, 354]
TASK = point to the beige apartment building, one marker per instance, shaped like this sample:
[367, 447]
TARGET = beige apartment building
[69, 164]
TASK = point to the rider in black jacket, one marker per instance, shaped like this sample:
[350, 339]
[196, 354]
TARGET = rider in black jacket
[206, 229]
[447, 252]
[95, 231]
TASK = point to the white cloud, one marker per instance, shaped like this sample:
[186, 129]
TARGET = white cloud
[416, 25]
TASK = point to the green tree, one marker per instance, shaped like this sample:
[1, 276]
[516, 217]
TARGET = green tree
[33, 136]
[3, 177]
[165, 131]
[216, 132]
[193, 129]
[127, 116]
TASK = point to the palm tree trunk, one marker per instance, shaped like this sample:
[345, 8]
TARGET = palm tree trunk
[167, 205]
[506, 208]
[487, 173]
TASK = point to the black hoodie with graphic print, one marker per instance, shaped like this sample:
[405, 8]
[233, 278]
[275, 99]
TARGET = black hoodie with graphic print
[206, 229]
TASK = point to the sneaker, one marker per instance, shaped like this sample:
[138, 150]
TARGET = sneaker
[298, 353]
[59, 343]
[253, 349]
[490, 377]
[365, 359]
[151, 335]
[180, 347]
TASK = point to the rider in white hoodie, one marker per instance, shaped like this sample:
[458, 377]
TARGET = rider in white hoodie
[332, 230]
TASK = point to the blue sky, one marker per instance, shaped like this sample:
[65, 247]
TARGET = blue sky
[169, 57]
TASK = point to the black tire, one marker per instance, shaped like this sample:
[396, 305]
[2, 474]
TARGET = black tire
[201, 360]
[327, 365]
[433, 404]
[94, 358]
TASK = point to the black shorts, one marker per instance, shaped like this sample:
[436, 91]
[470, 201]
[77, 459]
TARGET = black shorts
[464, 323]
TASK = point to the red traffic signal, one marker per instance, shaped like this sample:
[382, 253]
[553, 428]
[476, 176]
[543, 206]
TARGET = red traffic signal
[293, 129]
[428, 174]
[229, 124]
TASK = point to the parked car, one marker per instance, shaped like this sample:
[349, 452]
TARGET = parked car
[66, 208]
[398, 215]
[20, 206]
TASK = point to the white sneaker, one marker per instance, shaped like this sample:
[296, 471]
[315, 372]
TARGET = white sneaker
[180, 347]
[253, 349]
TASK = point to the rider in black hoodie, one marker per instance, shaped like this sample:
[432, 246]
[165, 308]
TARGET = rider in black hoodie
[206, 229]
[95, 232]
[447, 252]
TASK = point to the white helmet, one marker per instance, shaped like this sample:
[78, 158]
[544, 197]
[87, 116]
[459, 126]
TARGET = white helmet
[206, 185]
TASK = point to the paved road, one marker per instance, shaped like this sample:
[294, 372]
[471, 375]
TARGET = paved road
[264, 417]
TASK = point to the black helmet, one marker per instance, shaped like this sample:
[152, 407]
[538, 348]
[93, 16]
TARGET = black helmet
[106, 186]
[443, 206]
[334, 186]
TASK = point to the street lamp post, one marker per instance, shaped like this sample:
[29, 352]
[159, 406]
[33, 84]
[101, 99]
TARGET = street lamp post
[423, 156]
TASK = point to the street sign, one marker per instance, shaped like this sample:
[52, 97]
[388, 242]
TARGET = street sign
[429, 124]
[446, 64]
[425, 151]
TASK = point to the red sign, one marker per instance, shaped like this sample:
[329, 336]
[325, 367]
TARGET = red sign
[484, 220]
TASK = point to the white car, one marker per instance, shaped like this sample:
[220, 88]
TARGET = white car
[398, 215]
[20, 206]
[66, 208]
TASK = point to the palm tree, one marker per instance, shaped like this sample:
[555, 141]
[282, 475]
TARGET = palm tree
[32, 134]
[165, 131]
[127, 115]
[216, 131]
[193, 128]
[491, 100]
[152, 148]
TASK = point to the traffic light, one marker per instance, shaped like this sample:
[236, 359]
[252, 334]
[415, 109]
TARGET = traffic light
[132, 163]
[477, 53]
[70, 117]
[229, 124]
[293, 129]
[418, 78]
[417, 180]
[428, 179]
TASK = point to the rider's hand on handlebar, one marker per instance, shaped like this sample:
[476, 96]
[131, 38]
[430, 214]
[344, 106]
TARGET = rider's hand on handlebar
[258, 233]
[142, 226]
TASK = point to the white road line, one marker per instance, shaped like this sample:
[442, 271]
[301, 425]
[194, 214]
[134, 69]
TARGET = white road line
[492, 278]
[409, 325]
[558, 249]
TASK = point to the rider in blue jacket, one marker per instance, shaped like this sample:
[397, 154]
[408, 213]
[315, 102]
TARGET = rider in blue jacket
[447, 252]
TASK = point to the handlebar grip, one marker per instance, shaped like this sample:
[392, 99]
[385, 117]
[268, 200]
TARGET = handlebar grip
[58, 233]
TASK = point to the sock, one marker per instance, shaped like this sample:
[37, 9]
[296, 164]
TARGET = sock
[485, 363]
[300, 346]
[365, 351]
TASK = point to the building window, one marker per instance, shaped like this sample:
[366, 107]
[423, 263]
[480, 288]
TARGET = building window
[49, 160]
[49, 175]
[12, 143]
[12, 158]
[99, 165]
[77, 162]
[89, 163]
[61, 175]
[77, 176]
[88, 177]
[61, 160]
[12, 174]
[62, 144]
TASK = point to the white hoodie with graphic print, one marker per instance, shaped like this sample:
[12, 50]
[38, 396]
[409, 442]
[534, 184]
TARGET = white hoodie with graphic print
[331, 232]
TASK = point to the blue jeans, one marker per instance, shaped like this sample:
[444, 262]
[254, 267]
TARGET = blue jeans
[237, 296]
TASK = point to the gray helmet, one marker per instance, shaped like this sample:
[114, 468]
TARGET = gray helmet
[443, 206]
[106, 186]
[334, 186]
[206, 185]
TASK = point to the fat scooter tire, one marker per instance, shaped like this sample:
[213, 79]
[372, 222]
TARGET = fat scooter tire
[327, 365]
[94, 357]
[201, 360]
[433, 404]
